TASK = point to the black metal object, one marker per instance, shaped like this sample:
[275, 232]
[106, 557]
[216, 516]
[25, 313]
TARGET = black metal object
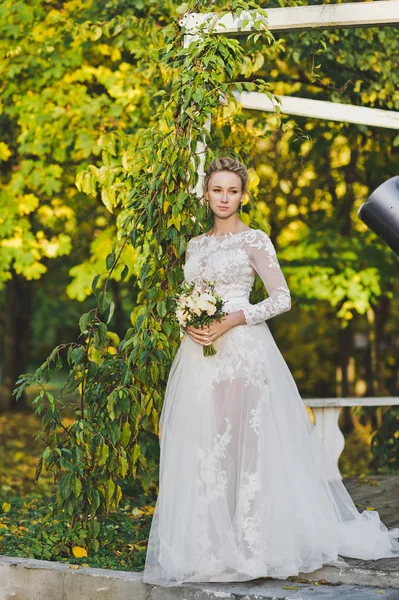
[380, 212]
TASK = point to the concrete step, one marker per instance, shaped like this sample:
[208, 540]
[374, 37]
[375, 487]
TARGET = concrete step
[280, 590]
[29, 579]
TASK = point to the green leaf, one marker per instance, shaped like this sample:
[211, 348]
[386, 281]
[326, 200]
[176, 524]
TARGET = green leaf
[124, 272]
[161, 308]
[125, 435]
[104, 300]
[95, 527]
[109, 261]
[77, 487]
[92, 370]
[94, 284]
[102, 454]
[95, 496]
[110, 490]
[123, 466]
[135, 453]
[183, 8]
[99, 336]
[84, 322]
[111, 311]
[111, 405]
[76, 355]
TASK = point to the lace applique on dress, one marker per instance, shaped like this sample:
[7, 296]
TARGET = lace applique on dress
[211, 484]
[236, 355]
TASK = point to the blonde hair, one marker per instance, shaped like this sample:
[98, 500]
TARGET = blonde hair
[226, 163]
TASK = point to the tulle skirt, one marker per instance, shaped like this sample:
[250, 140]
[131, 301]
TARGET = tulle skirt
[246, 488]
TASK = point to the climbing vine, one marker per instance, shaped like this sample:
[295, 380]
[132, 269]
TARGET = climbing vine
[148, 178]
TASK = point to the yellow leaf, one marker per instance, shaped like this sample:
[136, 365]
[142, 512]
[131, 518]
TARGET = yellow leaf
[291, 587]
[2, 526]
[6, 506]
[27, 204]
[370, 508]
[176, 221]
[5, 152]
[118, 494]
[74, 566]
[165, 207]
[79, 552]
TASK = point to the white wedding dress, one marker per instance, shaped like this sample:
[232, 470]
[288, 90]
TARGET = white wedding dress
[246, 489]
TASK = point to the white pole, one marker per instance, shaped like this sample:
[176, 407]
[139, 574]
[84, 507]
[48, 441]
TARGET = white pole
[201, 145]
[379, 13]
[321, 109]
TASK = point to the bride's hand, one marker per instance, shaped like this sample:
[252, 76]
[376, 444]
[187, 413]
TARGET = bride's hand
[209, 333]
[204, 335]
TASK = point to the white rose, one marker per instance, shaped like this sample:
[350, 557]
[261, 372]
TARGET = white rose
[211, 310]
[209, 298]
[183, 301]
[203, 304]
[181, 316]
[197, 310]
[190, 303]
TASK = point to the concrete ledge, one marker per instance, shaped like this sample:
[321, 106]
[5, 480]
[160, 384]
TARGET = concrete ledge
[29, 579]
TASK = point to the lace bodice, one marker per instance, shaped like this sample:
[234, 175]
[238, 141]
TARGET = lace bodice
[231, 261]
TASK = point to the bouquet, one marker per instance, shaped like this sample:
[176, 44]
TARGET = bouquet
[199, 305]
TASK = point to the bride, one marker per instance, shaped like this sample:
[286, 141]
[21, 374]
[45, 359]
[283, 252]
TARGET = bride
[246, 489]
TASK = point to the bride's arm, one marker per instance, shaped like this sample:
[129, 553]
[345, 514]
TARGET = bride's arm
[263, 258]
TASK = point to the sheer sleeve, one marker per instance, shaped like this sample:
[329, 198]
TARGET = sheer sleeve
[263, 259]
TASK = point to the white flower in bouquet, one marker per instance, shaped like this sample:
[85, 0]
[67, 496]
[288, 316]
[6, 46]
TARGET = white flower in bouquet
[182, 316]
[211, 309]
[204, 304]
[208, 297]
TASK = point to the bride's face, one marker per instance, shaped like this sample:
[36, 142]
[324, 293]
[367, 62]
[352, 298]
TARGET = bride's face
[224, 193]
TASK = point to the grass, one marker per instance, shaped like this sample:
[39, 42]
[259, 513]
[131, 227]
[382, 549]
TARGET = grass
[26, 528]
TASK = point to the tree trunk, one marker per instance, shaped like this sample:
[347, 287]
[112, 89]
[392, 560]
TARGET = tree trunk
[17, 316]
[345, 375]
[376, 317]
[381, 310]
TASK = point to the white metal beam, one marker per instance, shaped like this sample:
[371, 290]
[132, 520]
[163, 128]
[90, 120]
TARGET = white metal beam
[378, 13]
[320, 109]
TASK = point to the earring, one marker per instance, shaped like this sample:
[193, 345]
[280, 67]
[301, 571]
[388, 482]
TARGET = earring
[240, 207]
[207, 207]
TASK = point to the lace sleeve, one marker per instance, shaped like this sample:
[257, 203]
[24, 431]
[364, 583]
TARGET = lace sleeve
[263, 259]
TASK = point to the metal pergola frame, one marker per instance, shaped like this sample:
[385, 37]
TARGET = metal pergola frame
[377, 13]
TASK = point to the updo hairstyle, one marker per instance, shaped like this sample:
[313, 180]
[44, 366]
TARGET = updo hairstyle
[226, 163]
